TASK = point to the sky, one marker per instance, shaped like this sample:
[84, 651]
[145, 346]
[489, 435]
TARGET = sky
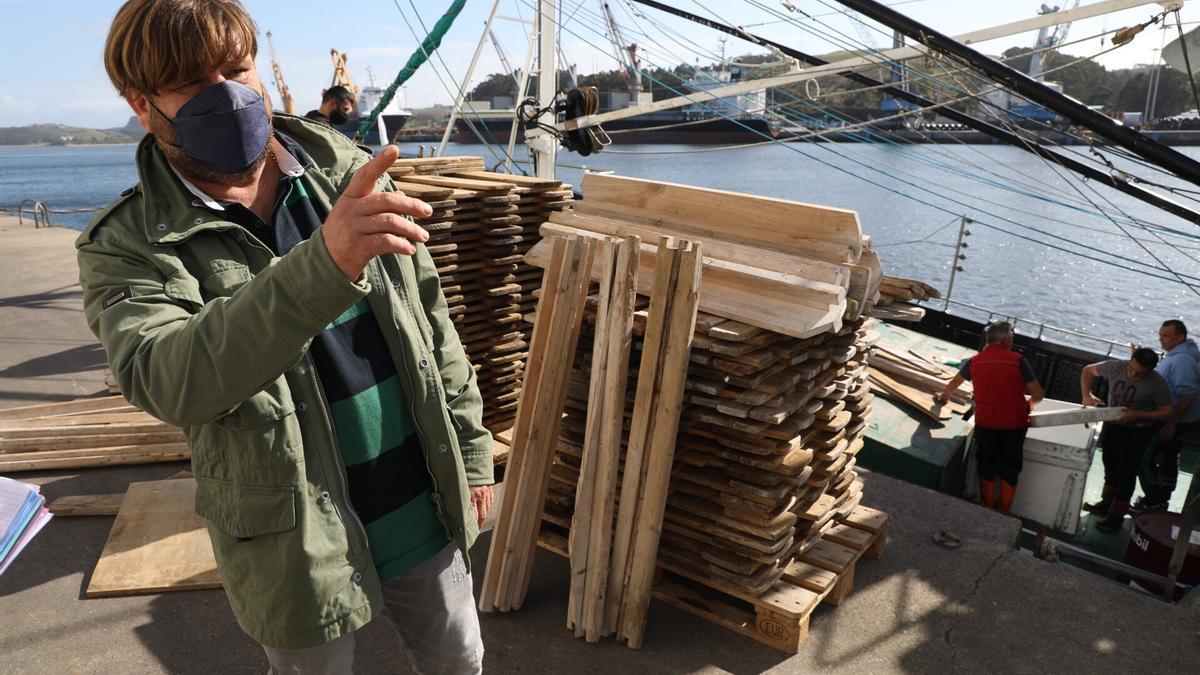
[54, 71]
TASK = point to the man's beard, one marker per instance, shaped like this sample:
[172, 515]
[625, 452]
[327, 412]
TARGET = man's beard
[164, 136]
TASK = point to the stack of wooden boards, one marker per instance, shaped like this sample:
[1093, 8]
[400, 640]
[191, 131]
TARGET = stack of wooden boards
[895, 294]
[482, 225]
[83, 433]
[913, 379]
[790, 267]
[766, 450]
[747, 483]
[899, 289]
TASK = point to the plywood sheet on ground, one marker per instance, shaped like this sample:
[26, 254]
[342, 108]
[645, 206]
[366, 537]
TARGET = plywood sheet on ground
[157, 544]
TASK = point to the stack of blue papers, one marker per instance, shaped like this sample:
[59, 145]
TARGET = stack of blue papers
[23, 514]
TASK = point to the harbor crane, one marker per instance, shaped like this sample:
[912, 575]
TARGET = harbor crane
[341, 75]
[1048, 37]
[285, 96]
[626, 54]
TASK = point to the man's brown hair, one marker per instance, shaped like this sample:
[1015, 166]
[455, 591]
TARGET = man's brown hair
[154, 44]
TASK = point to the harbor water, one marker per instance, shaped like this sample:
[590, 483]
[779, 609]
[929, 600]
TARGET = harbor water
[1038, 248]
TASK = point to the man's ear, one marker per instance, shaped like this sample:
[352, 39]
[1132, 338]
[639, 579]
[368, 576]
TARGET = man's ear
[141, 107]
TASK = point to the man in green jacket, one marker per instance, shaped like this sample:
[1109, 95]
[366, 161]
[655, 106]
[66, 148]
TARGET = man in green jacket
[264, 288]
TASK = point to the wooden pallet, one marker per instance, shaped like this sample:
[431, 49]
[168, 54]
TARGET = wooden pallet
[778, 617]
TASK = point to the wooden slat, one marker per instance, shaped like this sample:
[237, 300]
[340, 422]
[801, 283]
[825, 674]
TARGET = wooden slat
[87, 505]
[661, 449]
[104, 403]
[94, 457]
[631, 478]
[762, 221]
[585, 509]
[157, 543]
[44, 443]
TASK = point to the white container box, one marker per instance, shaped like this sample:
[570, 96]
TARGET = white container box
[1057, 459]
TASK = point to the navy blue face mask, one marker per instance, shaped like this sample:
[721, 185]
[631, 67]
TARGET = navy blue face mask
[224, 127]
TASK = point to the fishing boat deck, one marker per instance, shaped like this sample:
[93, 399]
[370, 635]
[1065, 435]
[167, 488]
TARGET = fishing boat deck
[920, 608]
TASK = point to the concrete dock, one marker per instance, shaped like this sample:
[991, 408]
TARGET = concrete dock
[984, 607]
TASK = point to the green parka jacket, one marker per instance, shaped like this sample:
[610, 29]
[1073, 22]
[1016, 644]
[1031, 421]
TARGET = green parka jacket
[206, 329]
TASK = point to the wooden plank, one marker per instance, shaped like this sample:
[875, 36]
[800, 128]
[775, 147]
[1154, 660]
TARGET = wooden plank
[623, 535]
[87, 505]
[1052, 418]
[622, 222]
[619, 328]
[492, 579]
[830, 556]
[767, 222]
[661, 449]
[548, 419]
[922, 401]
[82, 405]
[43, 443]
[580, 538]
[157, 543]
[535, 433]
[525, 181]
[867, 518]
[463, 183]
[77, 459]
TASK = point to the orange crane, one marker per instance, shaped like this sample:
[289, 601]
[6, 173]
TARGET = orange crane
[285, 96]
[341, 74]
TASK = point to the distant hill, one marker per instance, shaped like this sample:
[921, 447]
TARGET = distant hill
[61, 134]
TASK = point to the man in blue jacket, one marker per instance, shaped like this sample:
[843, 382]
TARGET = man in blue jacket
[1181, 369]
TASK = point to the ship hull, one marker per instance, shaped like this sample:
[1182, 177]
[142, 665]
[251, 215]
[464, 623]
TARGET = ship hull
[634, 130]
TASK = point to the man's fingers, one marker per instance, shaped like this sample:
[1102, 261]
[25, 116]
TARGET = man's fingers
[363, 182]
[390, 223]
[392, 202]
[390, 243]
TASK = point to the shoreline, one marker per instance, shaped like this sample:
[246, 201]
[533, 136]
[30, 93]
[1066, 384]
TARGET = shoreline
[66, 145]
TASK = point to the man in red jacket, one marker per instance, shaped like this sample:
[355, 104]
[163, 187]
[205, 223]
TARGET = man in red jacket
[1001, 379]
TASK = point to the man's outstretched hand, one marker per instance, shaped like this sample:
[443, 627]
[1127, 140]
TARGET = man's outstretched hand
[365, 223]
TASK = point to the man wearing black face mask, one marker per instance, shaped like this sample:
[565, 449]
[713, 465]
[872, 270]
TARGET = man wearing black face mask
[264, 288]
[337, 104]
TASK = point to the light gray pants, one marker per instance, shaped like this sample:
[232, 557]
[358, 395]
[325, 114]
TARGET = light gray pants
[432, 607]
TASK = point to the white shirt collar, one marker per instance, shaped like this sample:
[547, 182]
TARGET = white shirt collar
[284, 159]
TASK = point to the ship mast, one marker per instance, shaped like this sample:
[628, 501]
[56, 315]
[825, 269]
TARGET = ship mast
[544, 144]
[285, 96]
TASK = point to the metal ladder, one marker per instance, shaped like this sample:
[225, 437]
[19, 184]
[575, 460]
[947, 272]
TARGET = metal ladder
[38, 210]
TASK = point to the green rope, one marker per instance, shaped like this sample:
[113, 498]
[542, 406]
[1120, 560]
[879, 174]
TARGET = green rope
[419, 57]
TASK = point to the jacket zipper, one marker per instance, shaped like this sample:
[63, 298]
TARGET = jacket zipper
[437, 495]
[339, 462]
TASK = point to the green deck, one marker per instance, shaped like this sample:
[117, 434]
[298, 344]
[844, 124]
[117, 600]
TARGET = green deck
[906, 444]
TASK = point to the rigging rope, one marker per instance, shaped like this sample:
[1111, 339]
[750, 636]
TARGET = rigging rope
[429, 45]
[1149, 270]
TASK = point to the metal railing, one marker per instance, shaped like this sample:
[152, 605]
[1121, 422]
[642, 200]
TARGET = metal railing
[1041, 326]
[39, 211]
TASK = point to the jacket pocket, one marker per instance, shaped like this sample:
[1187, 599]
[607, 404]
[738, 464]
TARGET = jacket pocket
[224, 278]
[184, 289]
[245, 511]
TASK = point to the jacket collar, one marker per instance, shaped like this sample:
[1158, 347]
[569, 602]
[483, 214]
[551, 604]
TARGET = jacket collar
[174, 208]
